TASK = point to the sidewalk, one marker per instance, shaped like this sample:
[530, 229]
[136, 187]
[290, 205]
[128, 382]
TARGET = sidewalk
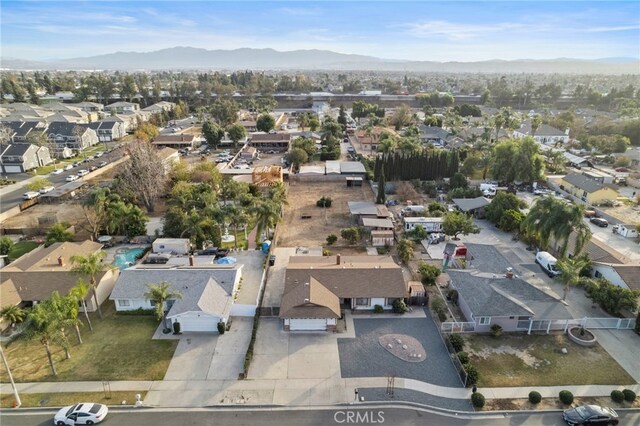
[197, 393]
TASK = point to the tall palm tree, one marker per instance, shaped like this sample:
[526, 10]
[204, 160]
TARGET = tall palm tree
[387, 145]
[42, 325]
[62, 309]
[159, 294]
[267, 214]
[536, 121]
[90, 266]
[570, 272]
[80, 292]
[12, 314]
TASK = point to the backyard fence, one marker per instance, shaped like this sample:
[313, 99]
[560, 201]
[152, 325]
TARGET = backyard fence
[458, 327]
[590, 323]
[453, 355]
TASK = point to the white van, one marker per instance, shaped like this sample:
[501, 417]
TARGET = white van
[548, 263]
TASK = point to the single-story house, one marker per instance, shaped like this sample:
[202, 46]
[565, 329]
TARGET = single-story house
[332, 167]
[382, 238]
[544, 134]
[9, 296]
[429, 224]
[375, 224]
[42, 271]
[361, 209]
[316, 288]
[249, 153]
[587, 189]
[206, 293]
[123, 107]
[352, 168]
[597, 250]
[622, 275]
[488, 299]
[576, 161]
[473, 206]
[433, 134]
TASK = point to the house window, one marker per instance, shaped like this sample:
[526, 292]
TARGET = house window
[484, 320]
[362, 301]
[124, 302]
[391, 300]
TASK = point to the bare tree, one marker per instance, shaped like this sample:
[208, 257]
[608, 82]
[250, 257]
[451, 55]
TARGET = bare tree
[144, 174]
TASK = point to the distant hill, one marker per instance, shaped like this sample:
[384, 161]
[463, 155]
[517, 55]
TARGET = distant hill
[268, 59]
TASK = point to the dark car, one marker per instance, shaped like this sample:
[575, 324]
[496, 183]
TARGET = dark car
[214, 251]
[590, 415]
[598, 221]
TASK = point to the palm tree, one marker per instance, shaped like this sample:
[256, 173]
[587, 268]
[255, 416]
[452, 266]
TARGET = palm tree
[387, 145]
[90, 266]
[536, 121]
[42, 325]
[65, 311]
[267, 213]
[80, 292]
[12, 314]
[158, 294]
[570, 272]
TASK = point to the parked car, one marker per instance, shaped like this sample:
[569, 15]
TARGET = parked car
[590, 415]
[99, 154]
[77, 163]
[47, 189]
[92, 168]
[30, 195]
[598, 221]
[83, 172]
[71, 178]
[102, 164]
[85, 413]
[67, 167]
[57, 172]
[214, 251]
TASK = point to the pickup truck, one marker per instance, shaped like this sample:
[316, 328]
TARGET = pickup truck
[214, 251]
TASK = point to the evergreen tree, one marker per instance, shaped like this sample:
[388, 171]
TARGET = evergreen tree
[381, 183]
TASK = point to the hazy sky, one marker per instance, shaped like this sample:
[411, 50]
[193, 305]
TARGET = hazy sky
[438, 30]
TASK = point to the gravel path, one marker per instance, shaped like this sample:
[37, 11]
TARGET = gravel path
[379, 394]
[364, 357]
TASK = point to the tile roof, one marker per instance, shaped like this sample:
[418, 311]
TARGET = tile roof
[500, 297]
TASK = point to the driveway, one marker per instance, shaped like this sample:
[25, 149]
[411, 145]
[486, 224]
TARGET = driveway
[212, 357]
[251, 275]
[275, 276]
[284, 355]
[363, 356]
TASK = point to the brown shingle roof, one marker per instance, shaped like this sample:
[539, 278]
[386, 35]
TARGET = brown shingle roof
[630, 274]
[310, 300]
[271, 137]
[352, 276]
[46, 259]
[9, 294]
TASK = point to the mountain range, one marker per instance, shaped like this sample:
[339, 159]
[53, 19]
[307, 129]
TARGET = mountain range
[190, 58]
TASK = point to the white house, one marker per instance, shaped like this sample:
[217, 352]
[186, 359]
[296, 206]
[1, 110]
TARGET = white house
[171, 245]
[627, 231]
[545, 134]
[430, 224]
[207, 293]
[622, 275]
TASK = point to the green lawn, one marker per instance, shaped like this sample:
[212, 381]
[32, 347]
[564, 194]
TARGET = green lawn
[119, 348]
[69, 398]
[20, 248]
[45, 170]
[541, 362]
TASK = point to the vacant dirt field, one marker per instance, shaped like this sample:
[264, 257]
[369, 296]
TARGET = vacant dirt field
[294, 231]
[46, 215]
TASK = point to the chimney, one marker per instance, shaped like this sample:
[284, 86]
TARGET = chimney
[191, 262]
[60, 261]
[338, 259]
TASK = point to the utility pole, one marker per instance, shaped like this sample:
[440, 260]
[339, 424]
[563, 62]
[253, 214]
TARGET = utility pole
[13, 385]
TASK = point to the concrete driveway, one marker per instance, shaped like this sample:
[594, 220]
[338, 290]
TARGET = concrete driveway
[284, 355]
[211, 357]
[275, 276]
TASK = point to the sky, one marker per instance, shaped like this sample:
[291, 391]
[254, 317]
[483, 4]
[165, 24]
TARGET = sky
[419, 30]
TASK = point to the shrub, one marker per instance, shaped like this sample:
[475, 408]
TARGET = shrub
[629, 395]
[399, 307]
[442, 317]
[221, 327]
[463, 357]
[453, 296]
[438, 305]
[477, 399]
[324, 202]
[496, 330]
[428, 273]
[139, 311]
[535, 397]
[472, 373]
[331, 239]
[457, 342]
[617, 396]
[566, 397]
[378, 309]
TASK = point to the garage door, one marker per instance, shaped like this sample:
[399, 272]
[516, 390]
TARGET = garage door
[201, 323]
[307, 324]
[12, 169]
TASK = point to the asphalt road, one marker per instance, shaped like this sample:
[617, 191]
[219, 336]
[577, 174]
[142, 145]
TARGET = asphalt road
[183, 124]
[319, 417]
[13, 198]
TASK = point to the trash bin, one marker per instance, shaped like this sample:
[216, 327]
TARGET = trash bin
[176, 328]
[272, 260]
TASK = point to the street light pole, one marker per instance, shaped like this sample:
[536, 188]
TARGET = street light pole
[13, 385]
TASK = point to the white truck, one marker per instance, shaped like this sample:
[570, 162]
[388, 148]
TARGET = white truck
[488, 189]
[430, 224]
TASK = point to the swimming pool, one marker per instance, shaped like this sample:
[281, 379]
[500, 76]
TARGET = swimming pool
[127, 257]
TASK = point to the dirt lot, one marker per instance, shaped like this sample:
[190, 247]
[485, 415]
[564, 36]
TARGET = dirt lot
[625, 213]
[295, 231]
[50, 213]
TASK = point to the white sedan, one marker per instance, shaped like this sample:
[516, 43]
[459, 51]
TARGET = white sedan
[47, 189]
[57, 172]
[85, 413]
[83, 172]
[71, 178]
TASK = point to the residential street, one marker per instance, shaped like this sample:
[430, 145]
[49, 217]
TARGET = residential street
[321, 417]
